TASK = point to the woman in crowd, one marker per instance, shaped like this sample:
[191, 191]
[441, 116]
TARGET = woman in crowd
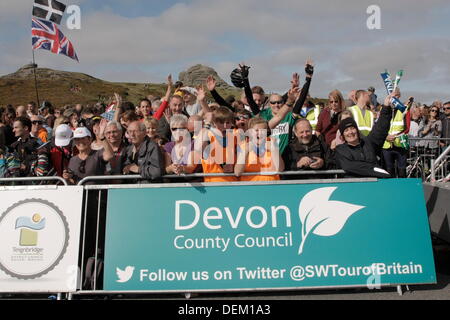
[430, 128]
[339, 139]
[88, 162]
[177, 151]
[327, 125]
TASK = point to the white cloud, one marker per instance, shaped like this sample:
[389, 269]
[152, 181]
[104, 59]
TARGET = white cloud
[275, 38]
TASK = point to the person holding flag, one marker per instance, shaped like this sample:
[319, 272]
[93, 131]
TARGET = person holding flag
[394, 153]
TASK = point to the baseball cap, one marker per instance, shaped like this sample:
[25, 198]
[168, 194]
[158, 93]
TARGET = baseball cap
[81, 132]
[63, 135]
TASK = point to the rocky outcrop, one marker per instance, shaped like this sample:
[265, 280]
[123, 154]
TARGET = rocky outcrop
[27, 72]
[197, 75]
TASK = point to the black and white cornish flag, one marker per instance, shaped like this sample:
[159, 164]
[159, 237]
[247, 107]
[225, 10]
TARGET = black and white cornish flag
[50, 10]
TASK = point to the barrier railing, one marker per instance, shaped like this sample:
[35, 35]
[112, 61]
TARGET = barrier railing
[422, 156]
[124, 205]
[34, 179]
[334, 173]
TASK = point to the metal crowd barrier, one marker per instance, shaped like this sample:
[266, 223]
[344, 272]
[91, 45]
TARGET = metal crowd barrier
[334, 173]
[422, 160]
[95, 210]
[34, 179]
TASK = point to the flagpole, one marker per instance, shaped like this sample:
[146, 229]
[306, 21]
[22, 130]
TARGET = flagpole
[35, 79]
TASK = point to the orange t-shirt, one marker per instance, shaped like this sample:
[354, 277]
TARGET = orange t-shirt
[217, 156]
[261, 163]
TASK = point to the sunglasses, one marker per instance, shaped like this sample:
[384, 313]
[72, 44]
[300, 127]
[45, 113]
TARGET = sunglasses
[178, 129]
[37, 122]
[82, 167]
[433, 110]
[276, 102]
[447, 108]
[242, 118]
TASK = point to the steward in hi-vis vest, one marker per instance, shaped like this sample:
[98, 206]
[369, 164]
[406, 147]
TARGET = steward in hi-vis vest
[365, 122]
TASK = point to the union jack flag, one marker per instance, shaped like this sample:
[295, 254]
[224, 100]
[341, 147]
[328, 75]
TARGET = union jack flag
[46, 36]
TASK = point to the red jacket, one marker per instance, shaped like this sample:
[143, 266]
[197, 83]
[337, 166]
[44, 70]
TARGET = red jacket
[325, 127]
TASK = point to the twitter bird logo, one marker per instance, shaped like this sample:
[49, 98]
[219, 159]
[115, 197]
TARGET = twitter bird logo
[124, 275]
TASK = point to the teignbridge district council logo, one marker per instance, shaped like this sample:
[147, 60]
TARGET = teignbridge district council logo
[35, 237]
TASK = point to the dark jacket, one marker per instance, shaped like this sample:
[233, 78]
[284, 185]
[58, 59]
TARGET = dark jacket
[26, 152]
[316, 148]
[149, 160]
[361, 160]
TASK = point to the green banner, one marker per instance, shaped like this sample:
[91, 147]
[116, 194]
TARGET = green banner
[268, 236]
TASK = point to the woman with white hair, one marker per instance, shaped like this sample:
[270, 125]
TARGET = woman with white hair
[177, 151]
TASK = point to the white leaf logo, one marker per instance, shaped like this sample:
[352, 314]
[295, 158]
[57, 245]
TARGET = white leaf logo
[321, 216]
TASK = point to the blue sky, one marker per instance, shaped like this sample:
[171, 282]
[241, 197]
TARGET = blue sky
[144, 41]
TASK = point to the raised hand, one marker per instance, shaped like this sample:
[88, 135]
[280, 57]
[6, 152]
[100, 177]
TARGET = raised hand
[102, 128]
[387, 101]
[201, 93]
[117, 99]
[295, 82]
[244, 70]
[169, 81]
[293, 95]
[211, 83]
[309, 68]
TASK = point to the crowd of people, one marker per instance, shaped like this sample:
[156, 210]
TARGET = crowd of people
[254, 137]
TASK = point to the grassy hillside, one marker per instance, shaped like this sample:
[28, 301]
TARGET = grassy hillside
[63, 88]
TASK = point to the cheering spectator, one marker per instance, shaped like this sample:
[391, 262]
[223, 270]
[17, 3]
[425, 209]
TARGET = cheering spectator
[281, 116]
[88, 162]
[339, 140]
[143, 156]
[242, 119]
[195, 125]
[61, 149]
[192, 106]
[98, 125]
[219, 144]
[37, 129]
[394, 154]
[358, 155]
[179, 149]
[327, 125]
[152, 127]
[145, 108]
[113, 134]
[73, 117]
[446, 125]
[8, 120]
[430, 128]
[46, 111]
[31, 109]
[307, 152]
[362, 113]
[414, 122]
[26, 147]
[259, 154]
